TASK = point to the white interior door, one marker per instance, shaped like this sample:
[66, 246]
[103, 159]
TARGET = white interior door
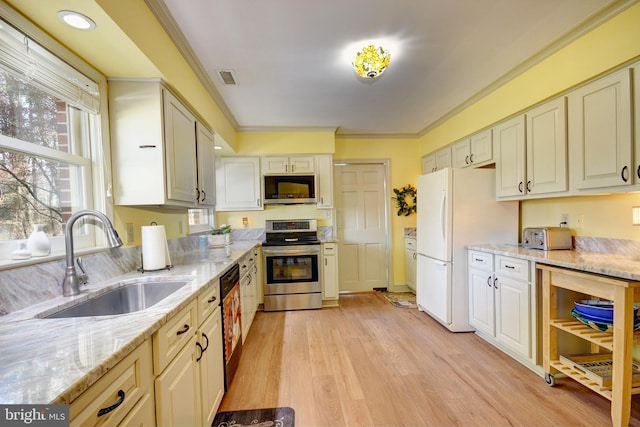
[361, 224]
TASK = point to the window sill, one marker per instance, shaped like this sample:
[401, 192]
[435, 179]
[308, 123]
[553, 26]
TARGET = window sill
[7, 264]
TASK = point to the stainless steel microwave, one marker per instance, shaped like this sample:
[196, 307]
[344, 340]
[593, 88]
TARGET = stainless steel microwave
[289, 189]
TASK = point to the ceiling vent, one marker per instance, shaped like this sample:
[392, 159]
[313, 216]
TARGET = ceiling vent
[227, 77]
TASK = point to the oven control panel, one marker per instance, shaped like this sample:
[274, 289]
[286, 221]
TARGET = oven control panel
[291, 225]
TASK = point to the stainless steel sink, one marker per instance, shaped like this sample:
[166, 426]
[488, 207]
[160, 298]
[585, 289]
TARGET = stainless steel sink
[125, 299]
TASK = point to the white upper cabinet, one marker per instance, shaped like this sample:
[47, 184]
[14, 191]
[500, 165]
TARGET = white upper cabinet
[180, 140]
[435, 161]
[238, 184]
[324, 181]
[477, 150]
[547, 148]
[154, 138]
[600, 132]
[509, 144]
[206, 190]
[288, 164]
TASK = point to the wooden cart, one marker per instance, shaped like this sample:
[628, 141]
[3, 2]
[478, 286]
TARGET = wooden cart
[620, 342]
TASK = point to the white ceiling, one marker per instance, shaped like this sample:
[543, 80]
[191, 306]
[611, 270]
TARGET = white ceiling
[288, 56]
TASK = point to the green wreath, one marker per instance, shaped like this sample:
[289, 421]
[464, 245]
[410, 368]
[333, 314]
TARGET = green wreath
[406, 199]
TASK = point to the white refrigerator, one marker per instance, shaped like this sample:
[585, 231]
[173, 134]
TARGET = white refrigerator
[456, 207]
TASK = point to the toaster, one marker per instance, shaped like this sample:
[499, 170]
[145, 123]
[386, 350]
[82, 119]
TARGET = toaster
[546, 238]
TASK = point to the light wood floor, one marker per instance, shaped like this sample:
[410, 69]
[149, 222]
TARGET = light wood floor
[368, 363]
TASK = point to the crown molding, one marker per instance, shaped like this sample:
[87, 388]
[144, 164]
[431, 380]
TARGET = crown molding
[590, 24]
[162, 14]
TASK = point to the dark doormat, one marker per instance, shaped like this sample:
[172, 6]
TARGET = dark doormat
[276, 417]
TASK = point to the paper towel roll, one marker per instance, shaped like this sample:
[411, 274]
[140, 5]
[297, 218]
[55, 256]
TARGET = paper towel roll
[155, 251]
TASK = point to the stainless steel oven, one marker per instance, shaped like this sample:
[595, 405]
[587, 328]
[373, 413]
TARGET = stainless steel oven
[293, 277]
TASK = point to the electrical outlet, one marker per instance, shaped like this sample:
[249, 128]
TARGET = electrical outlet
[579, 221]
[129, 231]
[564, 220]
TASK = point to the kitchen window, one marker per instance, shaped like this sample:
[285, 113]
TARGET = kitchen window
[53, 157]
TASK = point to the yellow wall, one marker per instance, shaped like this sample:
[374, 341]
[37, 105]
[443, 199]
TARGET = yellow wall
[312, 142]
[611, 44]
[402, 154]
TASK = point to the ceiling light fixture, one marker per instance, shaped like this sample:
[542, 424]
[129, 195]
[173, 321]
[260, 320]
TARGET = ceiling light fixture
[76, 20]
[371, 61]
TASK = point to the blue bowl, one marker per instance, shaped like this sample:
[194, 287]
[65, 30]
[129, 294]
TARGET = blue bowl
[601, 310]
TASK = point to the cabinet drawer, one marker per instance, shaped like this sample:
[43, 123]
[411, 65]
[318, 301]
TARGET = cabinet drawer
[208, 301]
[481, 260]
[172, 337]
[410, 243]
[133, 376]
[328, 248]
[512, 267]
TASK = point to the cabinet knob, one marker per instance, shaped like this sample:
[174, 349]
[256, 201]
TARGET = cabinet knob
[466, 160]
[520, 186]
[495, 283]
[489, 281]
[471, 158]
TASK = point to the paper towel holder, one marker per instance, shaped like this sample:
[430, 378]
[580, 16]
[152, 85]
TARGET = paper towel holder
[143, 270]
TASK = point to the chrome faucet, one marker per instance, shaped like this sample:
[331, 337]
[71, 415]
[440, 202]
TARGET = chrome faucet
[72, 281]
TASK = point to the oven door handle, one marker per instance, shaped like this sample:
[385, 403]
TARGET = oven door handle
[291, 239]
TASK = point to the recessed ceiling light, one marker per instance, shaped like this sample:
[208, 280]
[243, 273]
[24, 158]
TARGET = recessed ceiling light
[76, 20]
[217, 147]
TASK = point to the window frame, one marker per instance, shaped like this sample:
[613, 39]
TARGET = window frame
[99, 187]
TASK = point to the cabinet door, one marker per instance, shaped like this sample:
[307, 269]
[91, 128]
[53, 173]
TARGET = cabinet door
[461, 154]
[238, 184]
[481, 301]
[481, 148]
[410, 256]
[513, 315]
[180, 139]
[178, 390]
[509, 138]
[324, 181]
[547, 148]
[330, 272]
[210, 366]
[600, 132]
[428, 164]
[302, 164]
[443, 158]
[275, 164]
[206, 167]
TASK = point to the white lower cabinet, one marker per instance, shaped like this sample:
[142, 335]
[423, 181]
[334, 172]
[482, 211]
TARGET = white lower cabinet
[410, 262]
[248, 291]
[188, 360]
[178, 390]
[502, 303]
[330, 271]
[123, 396]
[211, 366]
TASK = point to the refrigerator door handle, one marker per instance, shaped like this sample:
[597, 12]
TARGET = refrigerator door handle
[443, 205]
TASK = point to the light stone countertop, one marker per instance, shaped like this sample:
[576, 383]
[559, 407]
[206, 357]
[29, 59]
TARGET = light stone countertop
[55, 360]
[609, 264]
